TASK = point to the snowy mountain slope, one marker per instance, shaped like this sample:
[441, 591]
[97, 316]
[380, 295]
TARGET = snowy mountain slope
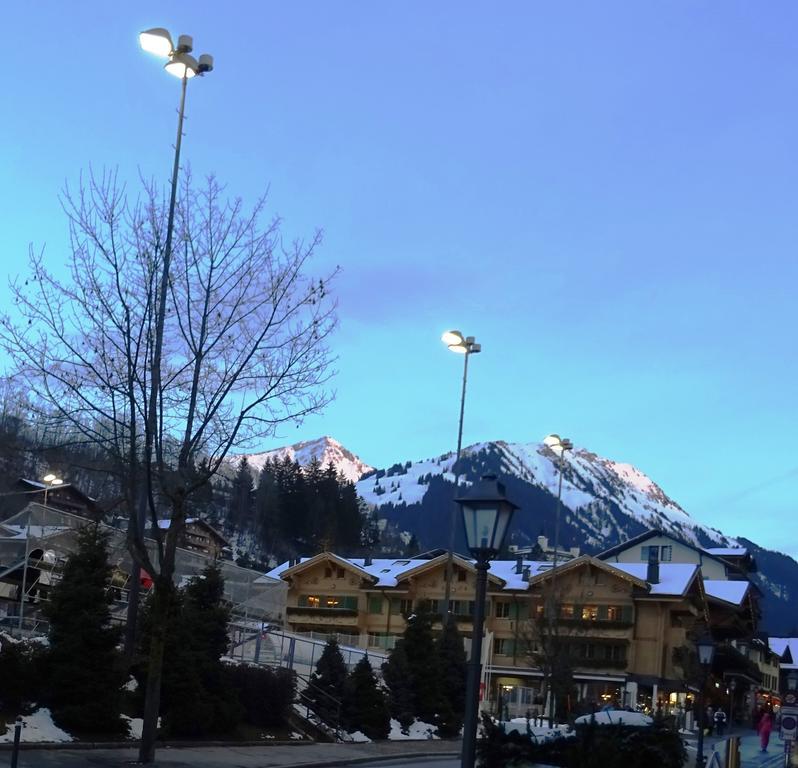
[606, 498]
[324, 449]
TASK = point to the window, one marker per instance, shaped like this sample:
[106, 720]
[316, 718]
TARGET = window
[375, 605]
[566, 611]
[401, 607]
[339, 574]
[664, 553]
[614, 613]
[309, 601]
[502, 610]
[328, 573]
[463, 607]
[503, 646]
[590, 612]
[428, 606]
[461, 575]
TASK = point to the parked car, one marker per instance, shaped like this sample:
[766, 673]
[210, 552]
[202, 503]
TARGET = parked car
[615, 717]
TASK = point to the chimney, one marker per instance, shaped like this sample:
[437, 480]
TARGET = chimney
[519, 564]
[525, 573]
[652, 572]
[367, 560]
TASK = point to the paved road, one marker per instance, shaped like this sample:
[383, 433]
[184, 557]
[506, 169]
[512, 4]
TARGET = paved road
[295, 755]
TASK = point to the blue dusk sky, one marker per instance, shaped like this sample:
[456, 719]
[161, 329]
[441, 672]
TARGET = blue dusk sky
[603, 193]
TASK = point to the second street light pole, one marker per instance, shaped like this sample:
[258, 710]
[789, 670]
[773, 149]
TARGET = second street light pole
[465, 346]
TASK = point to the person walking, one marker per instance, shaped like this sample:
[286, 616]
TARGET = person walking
[720, 721]
[765, 726]
[709, 720]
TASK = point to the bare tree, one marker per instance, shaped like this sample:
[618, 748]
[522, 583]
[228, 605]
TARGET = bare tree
[167, 361]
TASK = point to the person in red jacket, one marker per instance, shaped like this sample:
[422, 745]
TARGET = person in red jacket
[765, 726]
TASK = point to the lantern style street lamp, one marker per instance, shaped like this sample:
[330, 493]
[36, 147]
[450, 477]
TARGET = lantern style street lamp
[732, 687]
[706, 652]
[486, 517]
[792, 680]
[466, 346]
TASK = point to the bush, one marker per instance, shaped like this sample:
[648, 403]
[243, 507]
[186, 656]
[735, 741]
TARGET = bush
[21, 674]
[592, 746]
[265, 694]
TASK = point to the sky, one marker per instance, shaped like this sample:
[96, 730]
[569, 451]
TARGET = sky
[604, 194]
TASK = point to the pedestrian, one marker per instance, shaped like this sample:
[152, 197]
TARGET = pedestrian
[709, 720]
[764, 727]
[720, 721]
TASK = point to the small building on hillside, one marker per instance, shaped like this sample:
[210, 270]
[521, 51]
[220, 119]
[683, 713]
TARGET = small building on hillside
[66, 497]
[200, 536]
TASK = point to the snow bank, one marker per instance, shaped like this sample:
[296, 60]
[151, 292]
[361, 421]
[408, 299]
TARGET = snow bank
[37, 727]
[419, 730]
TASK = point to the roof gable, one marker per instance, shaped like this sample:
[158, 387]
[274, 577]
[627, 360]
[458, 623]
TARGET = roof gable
[588, 560]
[323, 557]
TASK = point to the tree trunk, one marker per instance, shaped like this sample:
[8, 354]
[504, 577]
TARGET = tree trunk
[152, 699]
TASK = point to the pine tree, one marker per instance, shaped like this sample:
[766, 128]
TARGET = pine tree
[422, 658]
[196, 699]
[327, 683]
[85, 668]
[396, 673]
[452, 668]
[364, 707]
[242, 496]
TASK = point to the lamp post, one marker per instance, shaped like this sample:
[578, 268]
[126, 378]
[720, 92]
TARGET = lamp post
[561, 445]
[486, 517]
[466, 346]
[706, 652]
[183, 65]
[50, 481]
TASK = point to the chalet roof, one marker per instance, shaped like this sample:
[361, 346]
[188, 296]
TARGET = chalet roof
[787, 649]
[733, 592]
[674, 578]
[716, 553]
[385, 572]
[37, 485]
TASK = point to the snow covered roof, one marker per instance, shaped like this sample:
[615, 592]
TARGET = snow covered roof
[506, 571]
[36, 531]
[726, 551]
[729, 591]
[674, 578]
[780, 646]
[385, 572]
[164, 524]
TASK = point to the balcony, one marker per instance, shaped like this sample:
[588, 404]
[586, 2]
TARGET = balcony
[305, 610]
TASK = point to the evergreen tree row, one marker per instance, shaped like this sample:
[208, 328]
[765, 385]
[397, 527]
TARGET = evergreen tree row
[296, 510]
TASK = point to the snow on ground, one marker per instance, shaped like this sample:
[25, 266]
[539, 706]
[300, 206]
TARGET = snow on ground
[417, 731]
[359, 737]
[135, 724]
[38, 727]
[614, 717]
[131, 684]
[540, 732]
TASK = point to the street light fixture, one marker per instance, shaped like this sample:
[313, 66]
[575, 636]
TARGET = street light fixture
[558, 445]
[792, 680]
[487, 513]
[467, 346]
[706, 652]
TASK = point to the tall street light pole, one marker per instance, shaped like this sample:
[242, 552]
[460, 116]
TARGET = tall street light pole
[486, 518]
[183, 65]
[559, 445]
[49, 481]
[466, 346]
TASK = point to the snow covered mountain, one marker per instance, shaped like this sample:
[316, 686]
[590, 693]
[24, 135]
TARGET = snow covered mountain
[604, 501]
[324, 450]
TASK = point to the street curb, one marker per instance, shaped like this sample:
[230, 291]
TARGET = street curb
[134, 743]
[375, 759]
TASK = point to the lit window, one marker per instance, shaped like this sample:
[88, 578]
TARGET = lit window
[590, 612]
